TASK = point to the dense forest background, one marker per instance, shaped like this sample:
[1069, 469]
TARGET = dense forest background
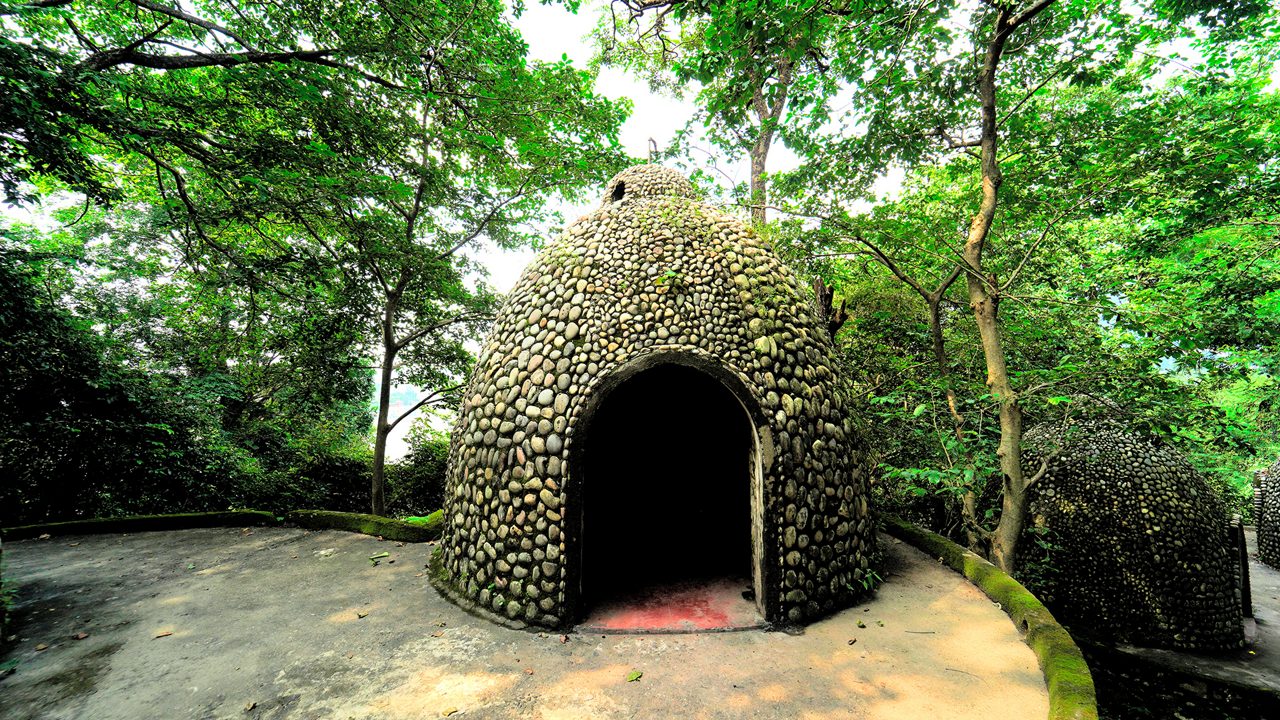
[227, 220]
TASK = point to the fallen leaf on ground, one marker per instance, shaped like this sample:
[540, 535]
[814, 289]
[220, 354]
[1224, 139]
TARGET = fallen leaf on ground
[163, 633]
[362, 614]
[250, 706]
[419, 574]
[399, 544]
[564, 639]
[438, 633]
[80, 636]
[528, 671]
[634, 675]
[861, 624]
[379, 555]
[45, 536]
[191, 566]
[350, 655]
[41, 646]
[448, 712]
[853, 640]
[73, 544]
[327, 552]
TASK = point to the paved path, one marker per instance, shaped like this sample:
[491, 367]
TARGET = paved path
[283, 623]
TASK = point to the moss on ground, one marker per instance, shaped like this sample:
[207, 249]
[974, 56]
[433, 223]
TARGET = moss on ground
[429, 521]
[386, 528]
[418, 529]
[1071, 692]
[142, 523]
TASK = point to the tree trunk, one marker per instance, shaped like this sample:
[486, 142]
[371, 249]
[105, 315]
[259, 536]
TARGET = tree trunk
[984, 298]
[1004, 543]
[940, 357]
[383, 427]
[759, 196]
[767, 114]
[969, 501]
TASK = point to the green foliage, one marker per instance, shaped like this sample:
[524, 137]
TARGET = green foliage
[274, 195]
[79, 436]
[415, 484]
[1134, 252]
[1036, 568]
[85, 431]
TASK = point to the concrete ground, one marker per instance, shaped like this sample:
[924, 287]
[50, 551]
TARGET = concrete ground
[698, 605]
[284, 623]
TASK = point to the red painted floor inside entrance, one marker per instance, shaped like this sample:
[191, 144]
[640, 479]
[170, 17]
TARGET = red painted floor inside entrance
[714, 605]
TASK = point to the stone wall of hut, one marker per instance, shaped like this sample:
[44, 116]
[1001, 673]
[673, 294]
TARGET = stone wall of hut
[1126, 542]
[652, 274]
[1267, 514]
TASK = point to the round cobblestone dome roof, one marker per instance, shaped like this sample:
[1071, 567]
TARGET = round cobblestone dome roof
[652, 277]
[1138, 540]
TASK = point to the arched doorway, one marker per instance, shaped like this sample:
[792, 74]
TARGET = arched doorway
[669, 472]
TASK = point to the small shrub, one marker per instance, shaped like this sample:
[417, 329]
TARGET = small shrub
[415, 485]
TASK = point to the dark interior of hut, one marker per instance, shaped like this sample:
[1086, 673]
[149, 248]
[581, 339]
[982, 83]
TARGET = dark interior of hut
[666, 486]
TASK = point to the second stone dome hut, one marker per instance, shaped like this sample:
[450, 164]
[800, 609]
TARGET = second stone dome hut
[1138, 545]
[1267, 514]
[658, 399]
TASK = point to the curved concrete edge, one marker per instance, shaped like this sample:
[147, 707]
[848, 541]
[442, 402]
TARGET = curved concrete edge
[142, 523]
[1071, 692]
[386, 528]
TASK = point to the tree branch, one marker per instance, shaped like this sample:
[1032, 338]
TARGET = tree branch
[36, 5]
[433, 397]
[193, 20]
[130, 55]
[411, 337]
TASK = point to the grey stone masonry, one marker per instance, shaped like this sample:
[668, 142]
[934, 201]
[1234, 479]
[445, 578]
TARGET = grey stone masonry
[653, 275]
[1138, 548]
[1267, 514]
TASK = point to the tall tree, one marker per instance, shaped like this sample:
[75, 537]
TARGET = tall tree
[931, 98]
[313, 153]
[764, 71]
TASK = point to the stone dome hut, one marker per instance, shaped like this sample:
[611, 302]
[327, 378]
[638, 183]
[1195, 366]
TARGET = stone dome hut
[1139, 542]
[1266, 513]
[658, 398]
